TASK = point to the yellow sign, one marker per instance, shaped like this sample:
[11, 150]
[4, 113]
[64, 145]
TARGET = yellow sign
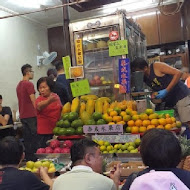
[79, 51]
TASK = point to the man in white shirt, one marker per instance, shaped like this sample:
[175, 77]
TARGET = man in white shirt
[85, 175]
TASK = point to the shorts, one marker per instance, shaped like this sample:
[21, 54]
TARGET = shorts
[183, 109]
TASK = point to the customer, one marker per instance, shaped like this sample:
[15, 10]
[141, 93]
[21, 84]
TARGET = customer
[26, 100]
[11, 178]
[5, 119]
[160, 151]
[49, 108]
[59, 89]
[87, 162]
[62, 79]
[166, 81]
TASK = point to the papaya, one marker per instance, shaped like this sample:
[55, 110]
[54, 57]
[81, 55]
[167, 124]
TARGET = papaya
[87, 97]
[99, 106]
[105, 107]
[75, 105]
[90, 105]
[105, 99]
[66, 108]
[85, 117]
[82, 108]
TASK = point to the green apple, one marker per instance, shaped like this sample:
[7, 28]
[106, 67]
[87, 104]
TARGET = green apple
[123, 147]
[127, 144]
[125, 151]
[106, 143]
[130, 148]
[119, 151]
[132, 144]
[134, 151]
[137, 142]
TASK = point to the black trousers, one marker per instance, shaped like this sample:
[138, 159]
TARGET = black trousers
[30, 137]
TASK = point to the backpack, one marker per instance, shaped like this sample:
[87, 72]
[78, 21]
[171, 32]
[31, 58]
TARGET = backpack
[158, 180]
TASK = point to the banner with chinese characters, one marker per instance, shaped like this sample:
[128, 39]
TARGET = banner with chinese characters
[66, 64]
[79, 51]
[124, 75]
[118, 47]
[96, 129]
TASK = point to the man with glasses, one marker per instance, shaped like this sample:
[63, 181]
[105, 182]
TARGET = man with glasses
[87, 165]
[26, 100]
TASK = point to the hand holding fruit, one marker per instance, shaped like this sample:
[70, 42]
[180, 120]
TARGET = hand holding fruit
[115, 174]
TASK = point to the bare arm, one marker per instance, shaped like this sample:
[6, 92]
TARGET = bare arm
[41, 105]
[163, 68]
[4, 119]
[33, 99]
[44, 176]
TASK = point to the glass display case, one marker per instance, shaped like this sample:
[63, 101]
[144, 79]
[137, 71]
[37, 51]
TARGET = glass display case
[99, 68]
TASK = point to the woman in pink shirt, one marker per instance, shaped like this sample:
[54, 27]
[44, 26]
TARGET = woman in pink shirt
[48, 107]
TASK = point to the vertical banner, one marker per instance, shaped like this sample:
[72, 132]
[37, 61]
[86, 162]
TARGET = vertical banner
[79, 51]
[124, 75]
[66, 64]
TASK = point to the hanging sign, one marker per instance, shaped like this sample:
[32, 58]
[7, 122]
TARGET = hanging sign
[80, 87]
[113, 35]
[119, 47]
[76, 72]
[79, 51]
[95, 129]
[124, 75]
[66, 64]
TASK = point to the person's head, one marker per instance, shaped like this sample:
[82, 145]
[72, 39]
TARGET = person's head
[86, 152]
[11, 151]
[52, 73]
[1, 99]
[27, 71]
[45, 86]
[139, 64]
[160, 149]
[59, 65]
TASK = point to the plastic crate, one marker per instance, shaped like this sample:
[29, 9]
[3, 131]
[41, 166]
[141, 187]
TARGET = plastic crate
[170, 112]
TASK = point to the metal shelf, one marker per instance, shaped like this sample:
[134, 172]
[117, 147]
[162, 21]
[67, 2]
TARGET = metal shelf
[98, 70]
[96, 50]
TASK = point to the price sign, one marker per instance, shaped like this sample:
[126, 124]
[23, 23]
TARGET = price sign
[95, 129]
[119, 47]
[124, 75]
[67, 64]
[79, 51]
[80, 87]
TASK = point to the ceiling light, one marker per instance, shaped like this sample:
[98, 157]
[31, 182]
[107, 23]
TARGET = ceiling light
[28, 3]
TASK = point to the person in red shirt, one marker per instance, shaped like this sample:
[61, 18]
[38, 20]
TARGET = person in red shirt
[26, 101]
[49, 107]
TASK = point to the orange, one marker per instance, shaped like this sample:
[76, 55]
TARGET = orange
[117, 118]
[167, 115]
[128, 111]
[128, 129]
[162, 121]
[135, 117]
[126, 118]
[130, 123]
[173, 125]
[146, 123]
[134, 113]
[143, 116]
[153, 116]
[160, 127]
[109, 110]
[142, 129]
[150, 127]
[173, 119]
[154, 122]
[168, 126]
[138, 122]
[134, 130]
[121, 122]
[169, 120]
[113, 113]
[123, 113]
[111, 123]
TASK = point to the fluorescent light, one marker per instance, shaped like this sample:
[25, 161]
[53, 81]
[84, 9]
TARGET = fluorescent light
[28, 3]
[145, 14]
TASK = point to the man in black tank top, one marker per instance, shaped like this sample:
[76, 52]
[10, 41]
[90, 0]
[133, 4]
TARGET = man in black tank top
[166, 81]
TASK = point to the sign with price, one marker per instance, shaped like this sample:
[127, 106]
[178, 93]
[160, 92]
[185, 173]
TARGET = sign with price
[124, 75]
[80, 87]
[95, 129]
[119, 47]
[66, 64]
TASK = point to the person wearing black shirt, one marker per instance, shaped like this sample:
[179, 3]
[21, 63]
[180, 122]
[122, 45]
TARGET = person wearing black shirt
[11, 178]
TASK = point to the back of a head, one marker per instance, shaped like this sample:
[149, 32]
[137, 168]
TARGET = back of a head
[1, 97]
[59, 65]
[25, 68]
[138, 63]
[160, 149]
[52, 73]
[156, 180]
[11, 151]
[80, 148]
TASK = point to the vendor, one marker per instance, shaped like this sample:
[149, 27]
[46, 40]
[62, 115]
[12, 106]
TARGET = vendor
[166, 81]
[5, 119]
[49, 108]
